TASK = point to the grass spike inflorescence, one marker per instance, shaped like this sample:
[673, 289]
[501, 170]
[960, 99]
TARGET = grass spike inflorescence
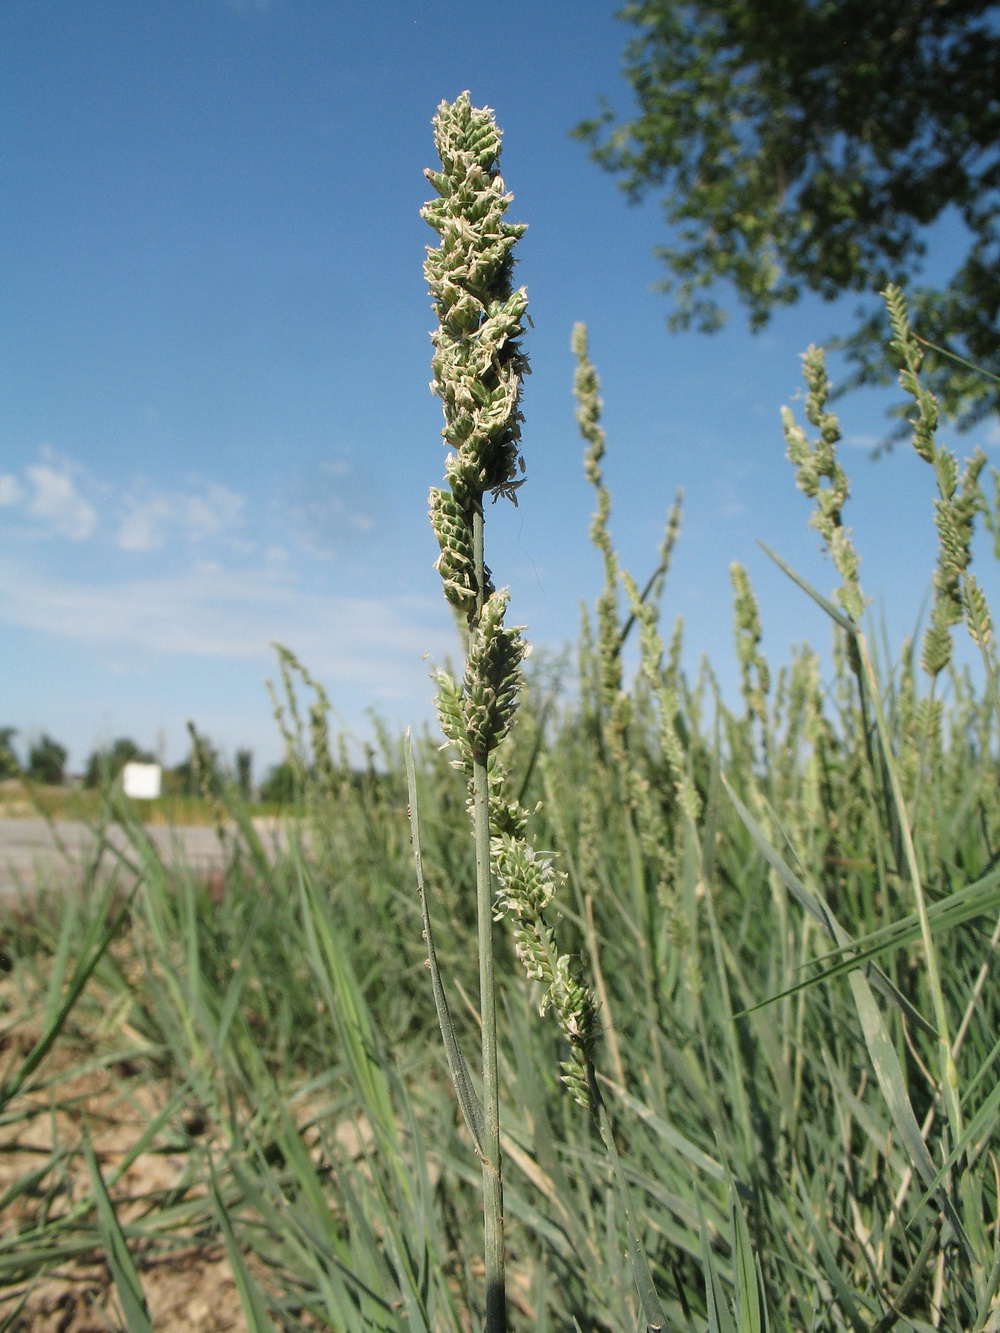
[816, 463]
[478, 367]
[956, 594]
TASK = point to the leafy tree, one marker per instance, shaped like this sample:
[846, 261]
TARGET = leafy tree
[280, 787]
[47, 762]
[9, 766]
[809, 144]
[106, 764]
[244, 773]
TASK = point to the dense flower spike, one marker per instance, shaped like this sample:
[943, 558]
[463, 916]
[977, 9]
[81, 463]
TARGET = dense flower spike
[456, 563]
[478, 363]
[492, 677]
[526, 885]
[816, 462]
[755, 673]
[587, 390]
[956, 595]
[478, 369]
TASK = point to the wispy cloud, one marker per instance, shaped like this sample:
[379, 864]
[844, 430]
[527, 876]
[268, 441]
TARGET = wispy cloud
[189, 572]
[58, 497]
[51, 495]
[153, 518]
[11, 491]
[213, 612]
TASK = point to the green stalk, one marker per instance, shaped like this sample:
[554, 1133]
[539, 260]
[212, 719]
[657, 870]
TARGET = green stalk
[493, 1227]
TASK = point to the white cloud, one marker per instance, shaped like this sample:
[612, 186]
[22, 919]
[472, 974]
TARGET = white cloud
[11, 491]
[56, 500]
[154, 518]
[50, 492]
[212, 612]
[57, 492]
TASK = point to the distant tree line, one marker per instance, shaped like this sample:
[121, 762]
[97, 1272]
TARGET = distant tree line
[46, 760]
[201, 771]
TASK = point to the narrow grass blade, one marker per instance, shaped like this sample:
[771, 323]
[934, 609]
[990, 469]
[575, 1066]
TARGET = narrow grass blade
[889, 1073]
[652, 1312]
[334, 973]
[989, 1292]
[10, 1320]
[460, 1076]
[823, 602]
[28, 1183]
[885, 1061]
[838, 1282]
[123, 1269]
[917, 1273]
[258, 1320]
[720, 1319]
[820, 912]
[314, 1249]
[91, 951]
[751, 1300]
[959, 360]
[981, 1126]
[980, 898]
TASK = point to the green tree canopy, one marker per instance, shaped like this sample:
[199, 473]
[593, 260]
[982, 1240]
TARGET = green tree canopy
[47, 761]
[809, 144]
[104, 765]
[244, 773]
[9, 766]
[281, 784]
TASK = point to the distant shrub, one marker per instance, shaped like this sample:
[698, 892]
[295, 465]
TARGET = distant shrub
[279, 787]
[47, 762]
[104, 765]
[9, 765]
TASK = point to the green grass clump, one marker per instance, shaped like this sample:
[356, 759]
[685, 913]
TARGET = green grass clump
[788, 912]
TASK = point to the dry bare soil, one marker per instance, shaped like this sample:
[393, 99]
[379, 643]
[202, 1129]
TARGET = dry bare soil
[187, 1285]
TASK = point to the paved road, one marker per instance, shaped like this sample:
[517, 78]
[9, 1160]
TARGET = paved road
[35, 854]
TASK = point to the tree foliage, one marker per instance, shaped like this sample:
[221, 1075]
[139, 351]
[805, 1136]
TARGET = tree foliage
[809, 145]
[106, 764]
[243, 773]
[47, 761]
[9, 765]
[281, 784]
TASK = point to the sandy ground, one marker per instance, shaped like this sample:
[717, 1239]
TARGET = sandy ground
[187, 1286]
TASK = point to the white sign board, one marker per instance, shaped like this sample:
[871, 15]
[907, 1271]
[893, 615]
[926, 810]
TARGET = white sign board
[141, 781]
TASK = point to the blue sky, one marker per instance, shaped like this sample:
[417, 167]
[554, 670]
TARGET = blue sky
[215, 423]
